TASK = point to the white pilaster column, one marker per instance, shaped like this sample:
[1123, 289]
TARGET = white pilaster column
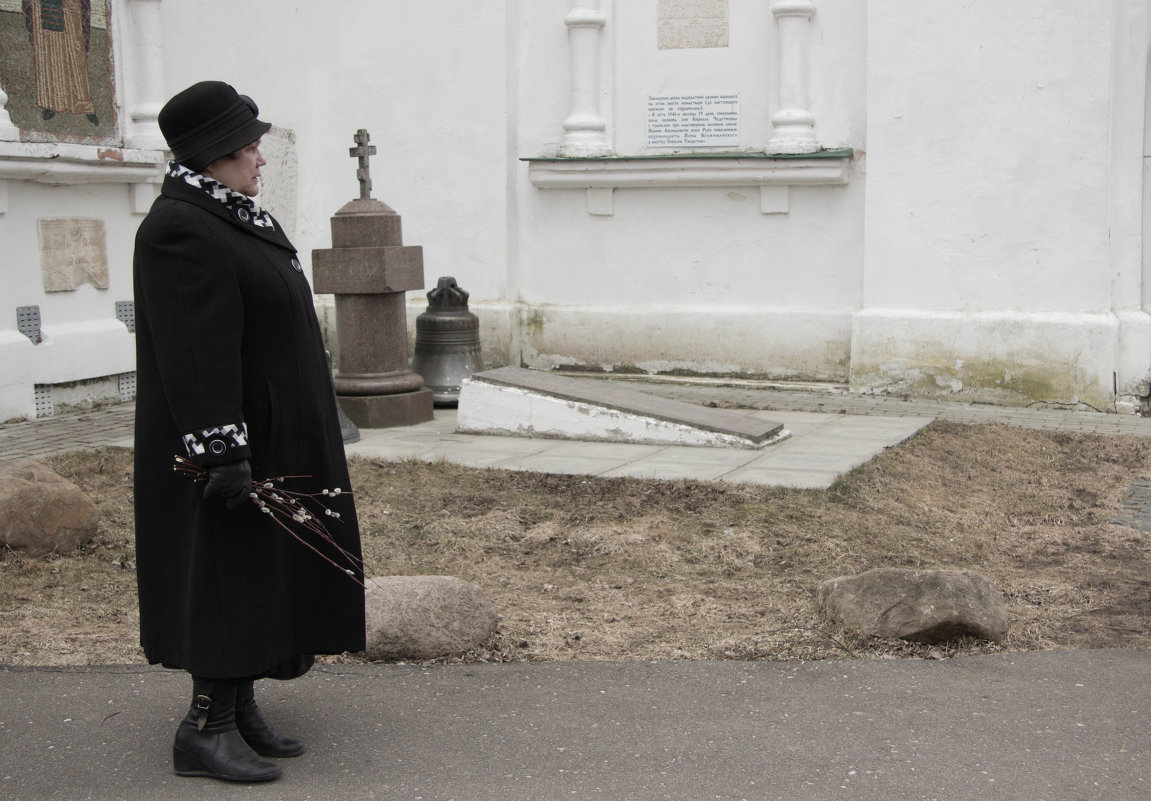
[144, 75]
[793, 124]
[8, 131]
[586, 128]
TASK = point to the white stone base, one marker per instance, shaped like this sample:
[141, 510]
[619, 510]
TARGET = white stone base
[486, 408]
[767, 343]
[1100, 361]
[1006, 358]
[69, 353]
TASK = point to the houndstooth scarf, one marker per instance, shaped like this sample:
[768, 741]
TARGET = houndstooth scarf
[245, 209]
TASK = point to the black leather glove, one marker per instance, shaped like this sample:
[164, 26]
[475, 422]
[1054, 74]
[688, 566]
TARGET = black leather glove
[232, 482]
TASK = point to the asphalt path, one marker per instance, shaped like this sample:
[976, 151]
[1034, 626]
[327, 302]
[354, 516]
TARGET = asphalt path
[1057, 725]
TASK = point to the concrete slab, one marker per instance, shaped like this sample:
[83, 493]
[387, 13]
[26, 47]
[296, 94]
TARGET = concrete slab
[472, 457]
[676, 463]
[511, 401]
[614, 451]
[827, 444]
[804, 460]
[791, 477]
[550, 463]
[825, 447]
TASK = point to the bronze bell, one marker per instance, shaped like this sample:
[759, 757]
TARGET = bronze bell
[447, 342]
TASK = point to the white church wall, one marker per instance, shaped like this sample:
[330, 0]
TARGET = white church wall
[429, 83]
[80, 337]
[451, 123]
[429, 86]
[973, 227]
[699, 279]
[988, 156]
[690, 278]
[72, 192]
[989, 268]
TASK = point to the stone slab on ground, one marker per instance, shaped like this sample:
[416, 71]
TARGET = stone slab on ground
[534, 403]
[1136, 510]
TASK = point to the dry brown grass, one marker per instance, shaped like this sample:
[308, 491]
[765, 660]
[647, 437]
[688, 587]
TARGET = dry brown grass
[593, 569]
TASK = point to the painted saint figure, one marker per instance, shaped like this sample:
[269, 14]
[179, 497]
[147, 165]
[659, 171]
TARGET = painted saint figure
[60, 32]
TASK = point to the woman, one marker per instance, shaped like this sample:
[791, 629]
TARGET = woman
[232, 376]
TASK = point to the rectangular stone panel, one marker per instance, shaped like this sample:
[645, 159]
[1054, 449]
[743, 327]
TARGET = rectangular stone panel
[73, 251]
[685, 24]
[366, 230]
[386, 411]
[368, 271]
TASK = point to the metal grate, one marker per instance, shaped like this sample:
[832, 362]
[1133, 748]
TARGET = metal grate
[28, 323]
[127, 387]
[44, 406]
[126, 313]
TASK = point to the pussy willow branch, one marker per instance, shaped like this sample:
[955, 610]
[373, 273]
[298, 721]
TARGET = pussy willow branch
[281, 505]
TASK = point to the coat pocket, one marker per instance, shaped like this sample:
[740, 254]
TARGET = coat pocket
[265, 418]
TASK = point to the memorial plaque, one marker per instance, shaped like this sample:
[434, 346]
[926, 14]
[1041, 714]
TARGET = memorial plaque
[708, 120]
[73, 251]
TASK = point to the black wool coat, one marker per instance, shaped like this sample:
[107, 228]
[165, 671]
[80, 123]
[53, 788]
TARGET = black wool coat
[230, 365]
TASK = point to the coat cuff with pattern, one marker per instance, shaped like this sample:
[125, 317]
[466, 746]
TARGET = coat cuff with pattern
[216, 445]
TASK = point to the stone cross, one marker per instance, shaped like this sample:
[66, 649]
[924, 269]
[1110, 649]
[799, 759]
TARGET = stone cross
[362, 151]
[369, 270]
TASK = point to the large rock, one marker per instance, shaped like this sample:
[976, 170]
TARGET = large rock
[918, 605]
[41, 512]
[425, 617]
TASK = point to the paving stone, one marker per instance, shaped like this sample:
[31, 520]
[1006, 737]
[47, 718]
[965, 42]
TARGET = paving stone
[812, 418]
[1136, 511]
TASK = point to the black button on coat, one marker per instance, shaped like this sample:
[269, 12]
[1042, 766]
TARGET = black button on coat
[226, 334]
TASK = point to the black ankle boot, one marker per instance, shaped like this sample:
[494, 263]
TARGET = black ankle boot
[208, 742]
[256, 731]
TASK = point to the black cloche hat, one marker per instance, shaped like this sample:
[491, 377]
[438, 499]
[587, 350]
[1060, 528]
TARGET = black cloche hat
[209, 120]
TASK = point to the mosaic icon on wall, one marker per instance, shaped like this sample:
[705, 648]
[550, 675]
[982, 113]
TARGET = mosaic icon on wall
[56, 67]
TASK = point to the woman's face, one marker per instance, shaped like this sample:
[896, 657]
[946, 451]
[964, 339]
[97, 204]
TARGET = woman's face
[239, 171]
